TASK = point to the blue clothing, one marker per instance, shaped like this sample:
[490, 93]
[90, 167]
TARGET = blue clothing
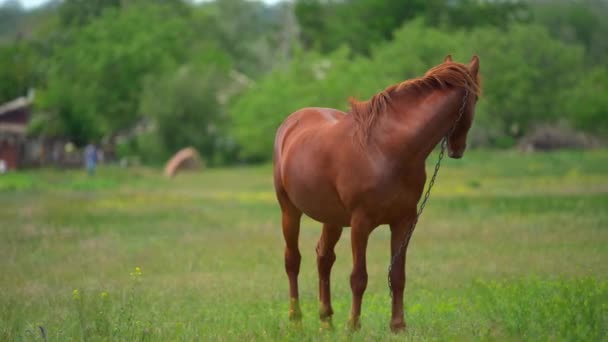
[90, 158]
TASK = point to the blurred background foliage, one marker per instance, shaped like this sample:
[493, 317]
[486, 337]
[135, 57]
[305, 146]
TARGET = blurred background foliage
[152, 76]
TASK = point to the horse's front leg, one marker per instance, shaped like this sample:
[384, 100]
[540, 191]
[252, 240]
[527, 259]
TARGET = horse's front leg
[360, 230]
[325, 260]
[399, 233]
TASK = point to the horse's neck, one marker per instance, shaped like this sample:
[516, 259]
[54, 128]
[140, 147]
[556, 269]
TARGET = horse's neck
[420, 123]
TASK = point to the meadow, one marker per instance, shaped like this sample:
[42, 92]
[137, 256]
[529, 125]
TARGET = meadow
[510, 247]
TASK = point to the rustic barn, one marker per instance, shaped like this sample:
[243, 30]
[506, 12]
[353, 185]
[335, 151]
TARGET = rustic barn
[14, 117]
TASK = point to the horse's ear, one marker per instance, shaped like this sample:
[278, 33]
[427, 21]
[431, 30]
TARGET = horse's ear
[474, 65]
[447, 58]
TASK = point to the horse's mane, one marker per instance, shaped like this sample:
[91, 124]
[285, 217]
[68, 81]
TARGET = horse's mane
[442, 76]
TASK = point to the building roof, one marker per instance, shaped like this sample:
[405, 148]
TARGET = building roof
[16, 104]
[14, 116]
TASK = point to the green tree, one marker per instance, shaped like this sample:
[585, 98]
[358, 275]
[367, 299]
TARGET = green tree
[96, 76]
[77, 13]
[247, 31]
[358, 24]
[363, 24]
[81, 12]
[187, 114]
[310, 15]
[526, 75]
[577, 22]
[587, 103]
[528, 78]
[476, 13]
[310, 80]
[16, 70]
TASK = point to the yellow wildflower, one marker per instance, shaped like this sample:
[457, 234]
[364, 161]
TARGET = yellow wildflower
[137, 273]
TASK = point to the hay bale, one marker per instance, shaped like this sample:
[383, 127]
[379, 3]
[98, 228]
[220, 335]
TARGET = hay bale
[186, 159]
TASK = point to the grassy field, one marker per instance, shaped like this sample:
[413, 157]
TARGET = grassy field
[510, 247]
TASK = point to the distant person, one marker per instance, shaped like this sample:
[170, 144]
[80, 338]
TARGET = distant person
[90, 158]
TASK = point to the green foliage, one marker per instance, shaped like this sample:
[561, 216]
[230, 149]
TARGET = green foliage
[68, 113]
[328, 25]
[16, 71]
[475, 13]
[74, 13]
[88, 61]
[587, 104]
[310, 19]
[310, 80]
[95, 80]
[77, 13]
[96, 56]
[528, 77]
[576, 22]
[247, 31]
[185, 111]
[362, 24]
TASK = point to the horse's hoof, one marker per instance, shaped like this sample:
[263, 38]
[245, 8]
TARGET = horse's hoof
[398, 326]
[325, 312]
[295, 314]
[354, 324]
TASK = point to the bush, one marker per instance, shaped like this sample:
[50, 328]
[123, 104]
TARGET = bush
[184, 111]
[528, 78]
[587, 103]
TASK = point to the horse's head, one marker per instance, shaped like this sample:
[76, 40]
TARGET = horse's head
[457, 141]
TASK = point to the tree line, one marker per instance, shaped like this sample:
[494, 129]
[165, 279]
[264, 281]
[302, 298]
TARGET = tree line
[153, 76]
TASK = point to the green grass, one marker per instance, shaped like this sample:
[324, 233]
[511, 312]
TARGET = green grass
[511, 247]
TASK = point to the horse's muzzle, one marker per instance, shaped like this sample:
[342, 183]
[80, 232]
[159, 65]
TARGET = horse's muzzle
[455, 154]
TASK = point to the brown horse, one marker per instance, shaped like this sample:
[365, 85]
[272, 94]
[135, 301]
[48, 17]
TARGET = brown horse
[367, 169]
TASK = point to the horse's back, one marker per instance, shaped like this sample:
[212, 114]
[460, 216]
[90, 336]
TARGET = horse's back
[303, 120]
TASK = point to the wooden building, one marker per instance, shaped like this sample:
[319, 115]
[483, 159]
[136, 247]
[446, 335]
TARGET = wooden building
[14, 117]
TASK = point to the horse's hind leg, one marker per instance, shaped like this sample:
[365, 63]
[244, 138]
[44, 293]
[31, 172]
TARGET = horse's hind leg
[325, 260]
[291, 231]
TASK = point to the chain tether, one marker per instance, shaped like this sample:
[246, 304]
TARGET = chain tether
[427, 194]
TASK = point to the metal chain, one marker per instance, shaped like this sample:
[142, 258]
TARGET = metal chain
[427, 194]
